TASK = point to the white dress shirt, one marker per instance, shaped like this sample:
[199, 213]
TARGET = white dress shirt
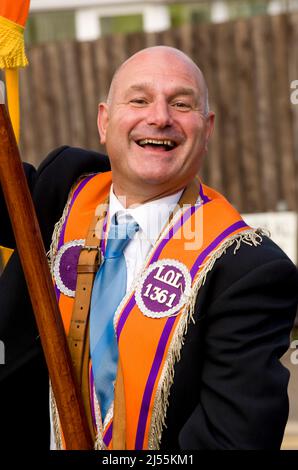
[151, 218]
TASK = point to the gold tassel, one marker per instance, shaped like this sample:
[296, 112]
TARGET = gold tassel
[12, 85]
[11, 45]
[12, 56]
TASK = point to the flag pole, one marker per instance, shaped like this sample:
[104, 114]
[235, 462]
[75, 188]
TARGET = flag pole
[34, 262]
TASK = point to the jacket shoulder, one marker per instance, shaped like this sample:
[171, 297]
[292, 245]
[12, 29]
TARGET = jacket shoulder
[6, 233]
[54, 179]
[72, 161]
[265, 263]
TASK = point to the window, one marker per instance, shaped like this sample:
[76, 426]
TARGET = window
[121, 24]
[50, 26]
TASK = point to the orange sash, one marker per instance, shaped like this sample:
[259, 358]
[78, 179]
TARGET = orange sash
[151, 321]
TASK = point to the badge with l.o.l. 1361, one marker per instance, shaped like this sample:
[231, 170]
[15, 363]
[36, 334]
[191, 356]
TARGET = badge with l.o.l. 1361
[163, 288]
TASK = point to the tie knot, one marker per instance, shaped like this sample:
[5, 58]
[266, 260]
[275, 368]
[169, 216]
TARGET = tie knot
[119, 237]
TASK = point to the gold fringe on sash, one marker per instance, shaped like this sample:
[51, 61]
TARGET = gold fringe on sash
[100, 425]
[252, 237]
[55, 421]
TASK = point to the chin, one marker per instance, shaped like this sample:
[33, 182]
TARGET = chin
[154, 178]
[155, 173]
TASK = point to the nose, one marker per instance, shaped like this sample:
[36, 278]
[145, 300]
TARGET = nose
[159, 114]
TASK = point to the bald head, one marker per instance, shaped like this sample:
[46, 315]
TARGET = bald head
[170, 56]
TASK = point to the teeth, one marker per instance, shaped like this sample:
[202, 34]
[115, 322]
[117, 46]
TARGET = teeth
[169, 143]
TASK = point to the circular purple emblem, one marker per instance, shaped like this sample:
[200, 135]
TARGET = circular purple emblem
[65, 267]
[163, 289]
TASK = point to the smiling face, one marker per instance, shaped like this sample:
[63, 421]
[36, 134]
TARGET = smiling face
[154, 124]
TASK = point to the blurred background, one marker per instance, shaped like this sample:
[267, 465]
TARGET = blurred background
[248, 51]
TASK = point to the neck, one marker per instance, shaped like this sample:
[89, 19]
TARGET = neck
[130, 198]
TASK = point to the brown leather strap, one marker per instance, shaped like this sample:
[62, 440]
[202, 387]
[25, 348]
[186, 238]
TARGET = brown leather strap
[89, 260]
[86, 269]
[188, 197]
[78, 337]
[85, 384]
[119, 418]
[190, 194]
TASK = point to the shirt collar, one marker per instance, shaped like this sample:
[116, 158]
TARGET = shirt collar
[151, 216]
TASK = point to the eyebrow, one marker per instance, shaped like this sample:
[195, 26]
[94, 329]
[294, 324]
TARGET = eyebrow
[185, 91]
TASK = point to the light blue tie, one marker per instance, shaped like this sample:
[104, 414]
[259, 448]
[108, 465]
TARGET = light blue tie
[108, 290]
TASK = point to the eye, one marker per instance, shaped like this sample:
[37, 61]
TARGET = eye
[139, 102]
[182, 105]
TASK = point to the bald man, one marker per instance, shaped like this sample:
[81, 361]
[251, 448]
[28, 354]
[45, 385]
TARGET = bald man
[179, 313]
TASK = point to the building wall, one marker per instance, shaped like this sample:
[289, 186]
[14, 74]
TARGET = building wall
[88, 20]
[249, 65]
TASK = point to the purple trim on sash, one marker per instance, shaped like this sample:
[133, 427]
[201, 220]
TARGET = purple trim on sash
[108, 435]
[151, 381]
[187, 214]
[123, 317]
[57, 292]
[164, 338]
[102, 241]
[91, 385]
[213, 245]
[203, 196]
[75, 195]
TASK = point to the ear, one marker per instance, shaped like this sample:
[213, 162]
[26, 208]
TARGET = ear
[209, 128]
[102, 121]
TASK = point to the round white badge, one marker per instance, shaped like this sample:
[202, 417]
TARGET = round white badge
[163, 289]
[65, 267]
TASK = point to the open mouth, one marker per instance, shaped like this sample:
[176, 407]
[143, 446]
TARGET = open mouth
[157, 144]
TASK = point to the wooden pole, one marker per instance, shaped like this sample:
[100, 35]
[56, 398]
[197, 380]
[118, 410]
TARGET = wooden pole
[41, 290]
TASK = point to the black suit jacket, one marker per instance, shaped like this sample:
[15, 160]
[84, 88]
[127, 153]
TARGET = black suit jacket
[229, 390]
